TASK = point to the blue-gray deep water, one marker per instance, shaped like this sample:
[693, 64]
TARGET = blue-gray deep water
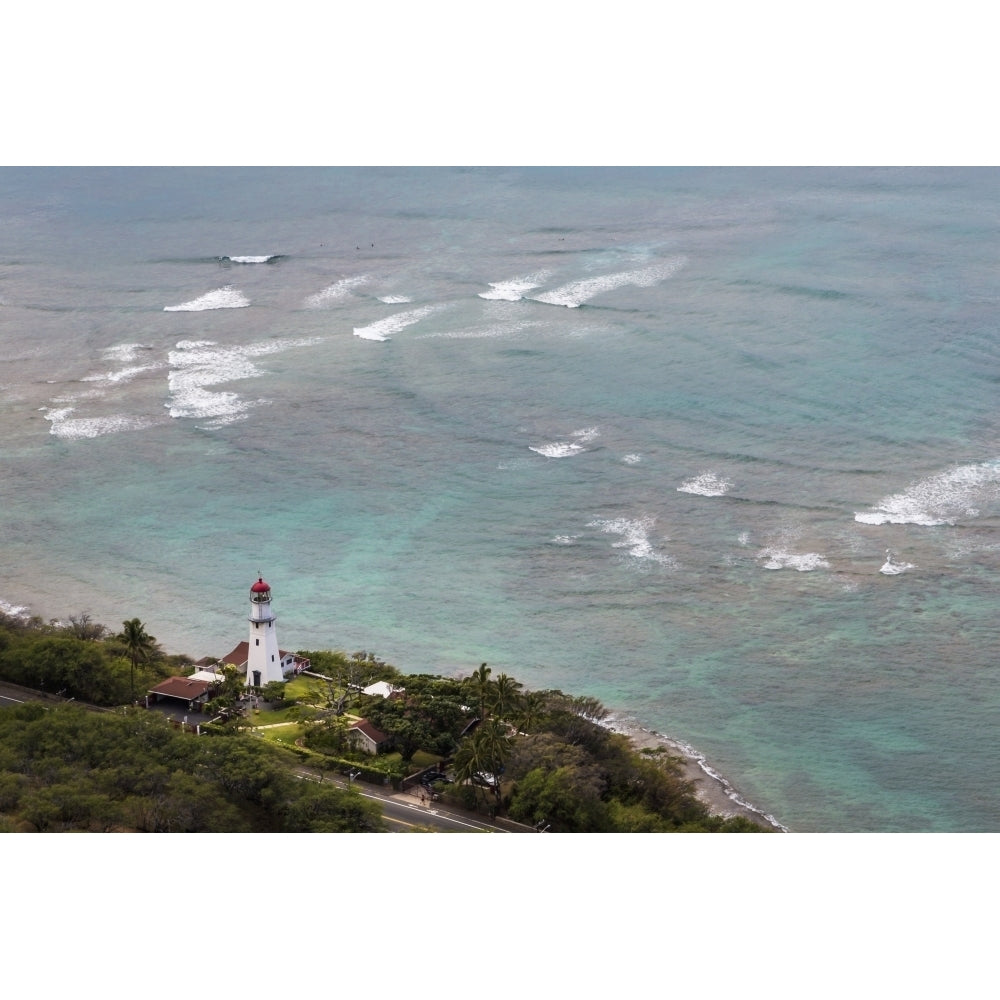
[719, 447]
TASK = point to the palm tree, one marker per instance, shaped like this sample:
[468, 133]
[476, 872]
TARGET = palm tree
[484, 753]
[506, 695]
[480, 682]
[530, 709]
[139, 646]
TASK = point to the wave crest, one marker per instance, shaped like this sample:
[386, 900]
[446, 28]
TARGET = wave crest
[221, 298]
[941, 499]
[338, 290]
[565, 449]
[382, 329]
[804, 562]
[706, 484]
[635, 537]
[576, 293]
[513, 289]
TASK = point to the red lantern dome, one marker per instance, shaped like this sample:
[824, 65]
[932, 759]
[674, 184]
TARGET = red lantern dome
[260, 587]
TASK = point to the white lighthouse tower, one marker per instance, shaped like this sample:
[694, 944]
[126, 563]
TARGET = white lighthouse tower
[263, 657]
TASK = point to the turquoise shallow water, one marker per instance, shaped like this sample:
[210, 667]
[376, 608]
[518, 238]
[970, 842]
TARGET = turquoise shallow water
[646, 435]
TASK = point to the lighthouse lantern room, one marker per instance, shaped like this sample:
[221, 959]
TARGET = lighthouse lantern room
[264, 657]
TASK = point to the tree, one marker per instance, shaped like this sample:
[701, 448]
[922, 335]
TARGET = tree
[82, 627]
[484, 753]
[568, 797]
[531, 708]
[506, 695]
[273, 691]
[479, 682]
[140, 646]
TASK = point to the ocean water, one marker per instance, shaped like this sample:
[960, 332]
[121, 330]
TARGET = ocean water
[720, 447]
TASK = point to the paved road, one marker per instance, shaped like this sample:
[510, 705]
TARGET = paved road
[403, 811]
[13, 694]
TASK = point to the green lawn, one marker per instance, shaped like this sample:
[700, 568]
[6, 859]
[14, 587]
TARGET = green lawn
[286, 733]
[294, 713]
[307, 690]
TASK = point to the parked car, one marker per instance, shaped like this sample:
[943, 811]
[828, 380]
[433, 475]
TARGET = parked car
[429, 777]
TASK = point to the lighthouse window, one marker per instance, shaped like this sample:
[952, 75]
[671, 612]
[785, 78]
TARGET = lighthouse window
[256, 642]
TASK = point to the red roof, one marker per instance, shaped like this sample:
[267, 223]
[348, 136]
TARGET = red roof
[364, 726]
[238, 657]
[259, 587]
[181, 687]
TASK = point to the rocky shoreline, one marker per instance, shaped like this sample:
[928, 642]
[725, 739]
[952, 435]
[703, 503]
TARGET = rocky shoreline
[711, 788]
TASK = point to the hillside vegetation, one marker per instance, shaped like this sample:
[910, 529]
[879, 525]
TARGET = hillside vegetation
[542, 758]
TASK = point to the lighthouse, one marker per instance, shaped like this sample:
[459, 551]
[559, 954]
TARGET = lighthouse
[263, 656]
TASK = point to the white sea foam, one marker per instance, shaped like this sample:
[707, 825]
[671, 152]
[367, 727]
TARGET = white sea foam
[384, 328]
[75, 397]
[14, 610]
[564, 539]
[333, 293]
[123, 353]
[558, 449]
[635, 537]
[73, 428]
[706, 484]
[513, 290]
[892, 568]
[122, 375]
[196, 366]
[393, 300]
[221, 298]
[483, 332]
[565, 449]
[632, 459]
[252, 260]
[804, 562]
[577, 292]
[942, 499]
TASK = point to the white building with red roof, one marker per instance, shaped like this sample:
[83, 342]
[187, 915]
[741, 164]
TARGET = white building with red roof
[259, 657]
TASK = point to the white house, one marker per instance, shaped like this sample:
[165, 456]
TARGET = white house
[383, 688]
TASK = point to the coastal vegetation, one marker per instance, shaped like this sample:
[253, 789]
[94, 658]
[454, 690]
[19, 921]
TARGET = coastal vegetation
[67, 768]
[541, 758]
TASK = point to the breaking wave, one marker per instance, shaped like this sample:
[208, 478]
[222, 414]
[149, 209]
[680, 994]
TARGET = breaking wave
[564, 449]
[804, 562]
[384, 328]
[706, 484]
[71, 428]
[576, 293]
[197, 365]
[332, 293]
[634, 537]
[513, 290]
[15, 610]
[942, 499]
[222, 298]
[892, 568]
